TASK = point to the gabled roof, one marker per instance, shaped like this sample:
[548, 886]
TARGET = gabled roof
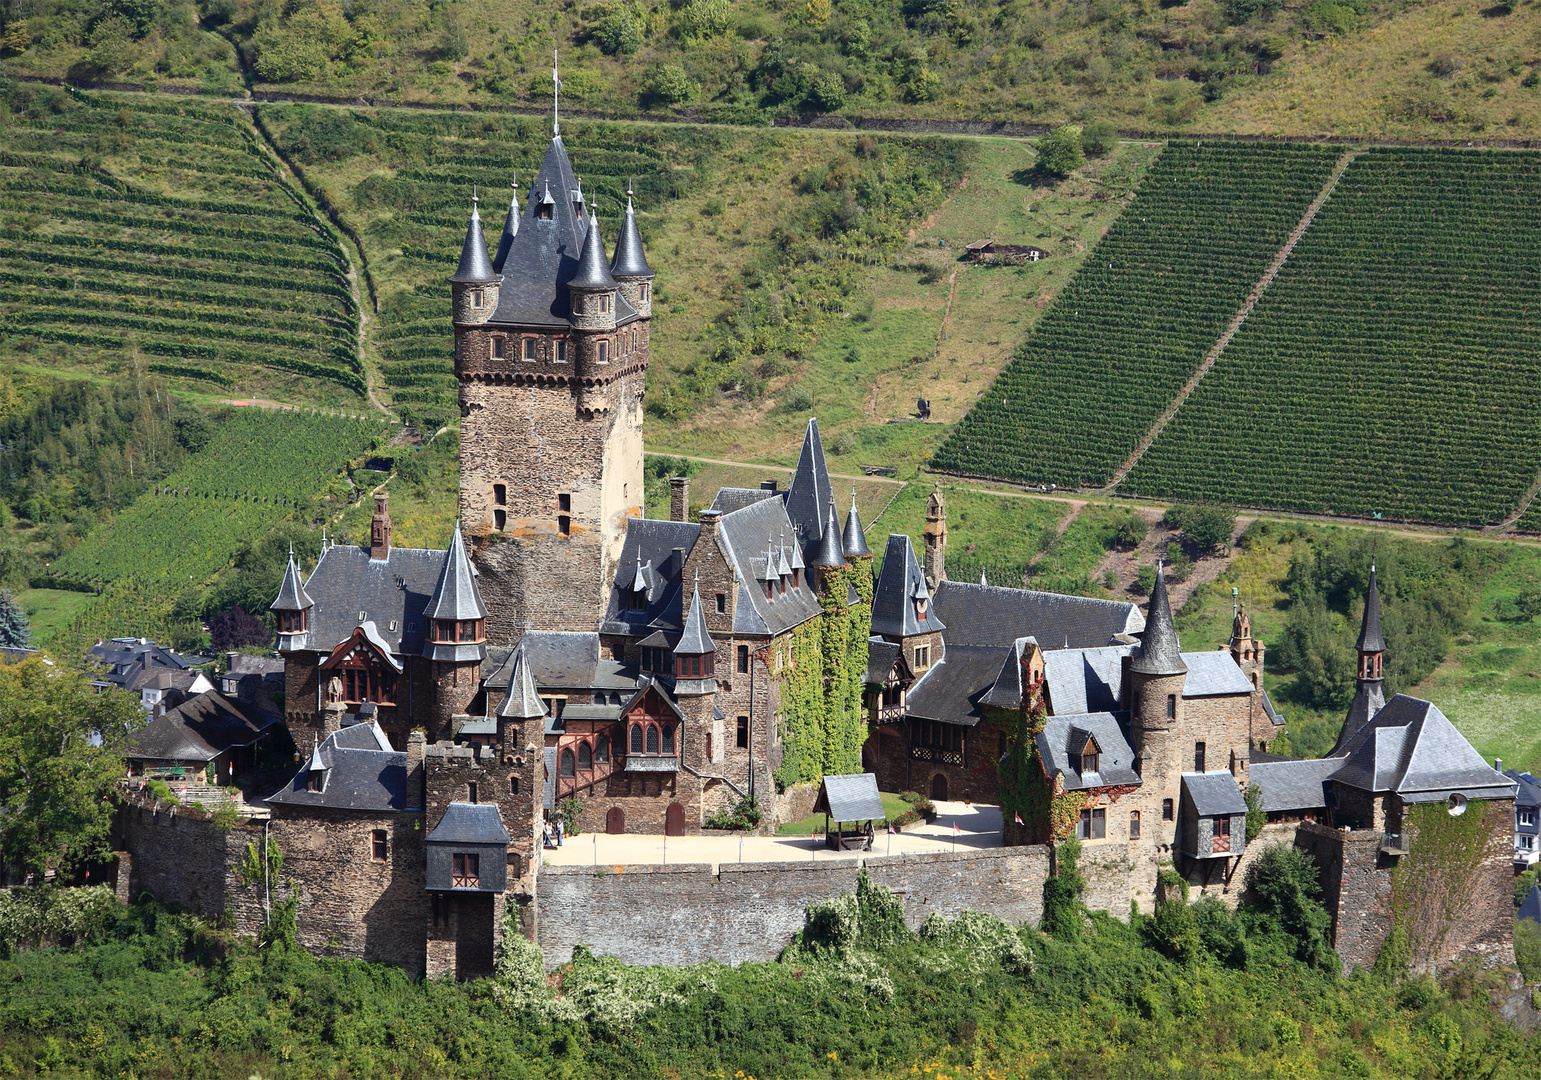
[593, 270]
[291, 594]
[1411, 748]
[1086, 680]
[357, 777]
[1159, 652]
[809, 492]
[1214, 794]
[1063, 738]
[694, 640]
[1370, 638]
[521, 702]
[650, 543]
[952, 689]
[199, 729]
[997, 615]
[1006, 691]
[729, 499]
[475, 268]
[349, 588]
[850, 798]
[1529, 793]
[629, 260]
[746, 537]
[510, 227]
[854, 539]
[566, 660]
[881, 658]
[1293, 785]
[470, 823]
[893, 606]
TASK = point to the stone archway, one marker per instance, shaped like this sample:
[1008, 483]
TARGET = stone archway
[938, 788]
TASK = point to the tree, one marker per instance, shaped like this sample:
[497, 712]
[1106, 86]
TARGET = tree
[15, 631]
[1205, 525]
[234, 628]
[1060, 152]
[668, 83]
[61, 751]
[1529, 602]
[1099, 138]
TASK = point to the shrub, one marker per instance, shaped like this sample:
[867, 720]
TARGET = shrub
[570, 810]
[1099, 138]
[1257, 817]
[1060, 152]
[1206, 526]
[746, 815]
[668, 83]
[619, 32]
[827, 94]
[702, 19]
[1145, 579]
[1129, 530]
[1063, 913]
[160, 791]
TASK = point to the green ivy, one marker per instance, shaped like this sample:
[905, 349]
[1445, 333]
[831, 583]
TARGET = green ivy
[1434, 884]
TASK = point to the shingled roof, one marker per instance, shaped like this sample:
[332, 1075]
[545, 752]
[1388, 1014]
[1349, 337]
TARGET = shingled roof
[809, 492]
[952, 689]
[470, 823]
[1159, 652]
[350, 588]
[1370, 637]
[475, 268]
[997, 615]
[1115, 763]
[649, 548]
[893, 604]
[749, 537]
[358, 775]
[1086, 680]
[1413, 749]
[199, 729]
[629, 260]
[854, 540]
[510, 228]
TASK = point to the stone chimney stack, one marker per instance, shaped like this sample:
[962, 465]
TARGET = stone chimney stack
[710, 520]
[380, 528]
[679, 498]
[417, 775]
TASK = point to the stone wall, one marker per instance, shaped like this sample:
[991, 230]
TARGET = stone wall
[749, 911]
[1356, 888]
[180, 858]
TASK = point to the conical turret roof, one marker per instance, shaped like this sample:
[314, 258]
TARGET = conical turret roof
[854, 541]
[809, 490]
[1370, 638]
[475, 268]
[593, 271]
[694, 640]
[510, 228]
[629, 260]
[522, 701]
[1159, 652]
[456, 596]
[829, 551]
[291, 594]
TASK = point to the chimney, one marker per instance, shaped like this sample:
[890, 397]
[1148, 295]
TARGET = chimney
[679, 498]
[380, 528]
[677, 560]
[768, 485]
[1498, 764]
[417, 776]
[710, 519]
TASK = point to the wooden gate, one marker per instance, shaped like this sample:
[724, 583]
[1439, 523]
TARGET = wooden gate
[615, 821]
[674, 820]
[938, 788]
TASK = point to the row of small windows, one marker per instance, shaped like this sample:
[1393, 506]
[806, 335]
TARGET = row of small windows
[564, 505]
[530, 350]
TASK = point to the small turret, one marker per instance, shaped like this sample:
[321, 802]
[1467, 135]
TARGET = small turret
[829, 556]
[380, 528]
[522, 701]
[456, 615]
[292, 609]
[510, 227]
[935, 557]
[474, 286]
[854, 540]
[629, 266]
[695, 655]
[1369, 690]
[1159, 652]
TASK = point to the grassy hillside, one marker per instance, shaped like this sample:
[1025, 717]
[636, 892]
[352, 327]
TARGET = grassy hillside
[1445, 68]
[157, 236]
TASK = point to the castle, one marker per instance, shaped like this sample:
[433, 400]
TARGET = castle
[564, 647]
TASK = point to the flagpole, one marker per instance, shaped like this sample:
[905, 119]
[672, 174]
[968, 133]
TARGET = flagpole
[556, 97]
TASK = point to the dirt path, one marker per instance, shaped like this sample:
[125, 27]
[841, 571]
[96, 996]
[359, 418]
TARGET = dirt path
[1256, 294]
[785, 469]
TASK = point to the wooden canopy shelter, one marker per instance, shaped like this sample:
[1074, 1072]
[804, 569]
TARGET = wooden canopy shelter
[849, 800]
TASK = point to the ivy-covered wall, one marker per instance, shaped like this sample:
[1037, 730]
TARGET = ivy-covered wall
[1048, 811]
[822, 721]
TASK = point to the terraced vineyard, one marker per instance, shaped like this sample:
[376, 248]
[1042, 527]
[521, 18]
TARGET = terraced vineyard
[1137, 319]
[1394, 365]
[413, 219]
[156, 234]
[258, 469]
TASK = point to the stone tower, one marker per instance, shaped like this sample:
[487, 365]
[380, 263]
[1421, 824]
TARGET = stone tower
[1157, 716]
[551, 350]
[1369, 692]
[936, 538]
[1246, 650]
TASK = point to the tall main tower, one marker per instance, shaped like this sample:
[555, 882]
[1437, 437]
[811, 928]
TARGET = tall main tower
[551, 349]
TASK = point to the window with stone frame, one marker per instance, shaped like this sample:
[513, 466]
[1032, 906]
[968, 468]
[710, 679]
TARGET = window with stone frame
[644, 291]
[513, 785]
[1198, 757]
[1166, 809]
[531, 349]
[561, 351]
[471, 792]
[378, 847]
[478, 298]
[602, 352]
[922, 656]
[1171, 706]
[1093, 824]
[1134, 824]
[741, 739]
[465, 870]
[743, 659]
[497, 348]
[696, 667]
[722, 603]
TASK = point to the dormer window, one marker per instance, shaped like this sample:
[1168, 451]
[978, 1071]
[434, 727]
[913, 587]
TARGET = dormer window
[1089, 760]
[795, 577]
[545, 211]
[316, 780]
[636, 600]
[293, 622]
[457, 631]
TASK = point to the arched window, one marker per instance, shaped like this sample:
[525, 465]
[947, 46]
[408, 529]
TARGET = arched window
[567, 763]
[636, 738]
[602, 749]
[668, 740]
[652, 739]
[585, 757]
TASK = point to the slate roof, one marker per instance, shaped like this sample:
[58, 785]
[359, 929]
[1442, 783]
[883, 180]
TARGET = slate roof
[881, 656]
[199, 729]
[854, 540]
[570, 660]
[893, 606]
[747, 536]
[593, 268]
[1115, 764]
[120, 654]
[548, 788]
[475, 268]
[542, 256]
[951, 689]
[521, 702]
[470, 823]
[1214, 794]
[1370, 637]
[694, 640]
[1085, 680]
[1368, 700]
[629, 259]
[1159, 652]
[729, 499]
[852, 797]
[828, 552]
[357, 777]
[1412, 748]
[510, 227]
[1006, 691]
[392, 592]
[291, 594]
[1213, 673]
[997, 615]
[1529, 793]
[809, 492]
[1292, 785]
[1531, 908]
[649, 546]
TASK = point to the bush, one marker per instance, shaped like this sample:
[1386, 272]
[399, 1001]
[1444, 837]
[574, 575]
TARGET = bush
[160, 791]
[619, 32]
[827, 94]
[1527, 949]
[668, 83]
[1145, 579]
[1063, 913]
[746, 815]
[1129, 530]
[1099, 138]
[1060, 152]
[1204, 525]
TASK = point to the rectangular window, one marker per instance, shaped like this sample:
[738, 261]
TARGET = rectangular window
[500, 520]
[564, 503]
[529, 348]
[742, 741]
[561, 352]
[497, 348]
[743, 659]
[636, 600]
[1527, 816]
[722, 603]
[1089, 763]
[603, 352]
[646, 288]
[1171, 706]
[500, 494]
[1093, 825]
[466, 870]
[471, 792]
[604, 304]
[1134, 824]
[1198, 757]
[564, 524]
[1166, 809]
[1222, 826]
[377, 845]
[477, 298]
[1528, 842]
[923, 656]
[513, 785]
[709, 747]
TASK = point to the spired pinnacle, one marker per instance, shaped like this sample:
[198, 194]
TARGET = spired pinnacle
[1159, 653]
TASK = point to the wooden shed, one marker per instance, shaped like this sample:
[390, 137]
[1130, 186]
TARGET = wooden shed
[989, 251]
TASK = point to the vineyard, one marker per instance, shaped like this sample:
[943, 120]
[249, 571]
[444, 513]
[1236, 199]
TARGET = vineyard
[1394, 366]
[157, 236]
[1138, 317]
[260, 467]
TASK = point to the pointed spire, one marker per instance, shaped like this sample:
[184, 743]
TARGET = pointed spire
[456, 596]
[1159, 652]
[829, 552]
[522, 701]
[694, 640]
[854, 541]
[510, 226]
[475, 268]
[629, 260]
[783, 568]
[982, 579]
[639, 580]
[1370, 638]
[809, 490]
[593, 272]
[291, 594]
